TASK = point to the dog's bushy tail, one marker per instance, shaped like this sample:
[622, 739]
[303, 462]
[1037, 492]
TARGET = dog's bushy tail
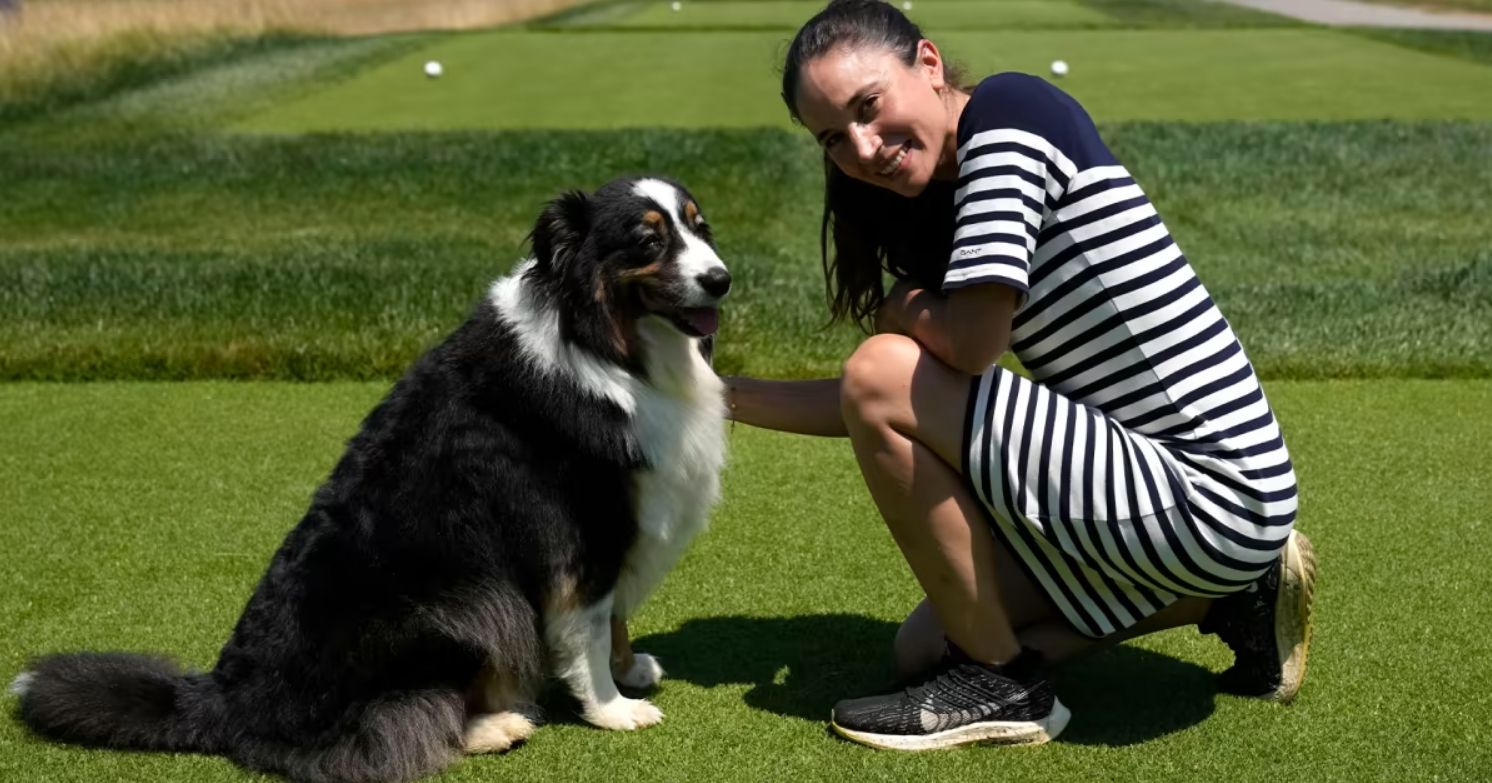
[118, 700]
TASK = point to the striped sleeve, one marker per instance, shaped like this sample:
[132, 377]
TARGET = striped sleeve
[1020, 141]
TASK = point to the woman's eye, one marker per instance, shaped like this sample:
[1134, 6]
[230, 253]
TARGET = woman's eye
[868, 106]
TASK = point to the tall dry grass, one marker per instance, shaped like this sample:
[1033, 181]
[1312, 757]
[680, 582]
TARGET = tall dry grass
[54, 49]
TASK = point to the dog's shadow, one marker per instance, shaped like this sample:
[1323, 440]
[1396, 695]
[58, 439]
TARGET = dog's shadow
[800, 666]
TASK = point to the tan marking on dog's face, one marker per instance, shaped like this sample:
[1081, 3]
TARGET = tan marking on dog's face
[640, 273]
[654, 219]
[691, 213]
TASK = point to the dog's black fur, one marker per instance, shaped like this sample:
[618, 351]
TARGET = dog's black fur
[475, 487]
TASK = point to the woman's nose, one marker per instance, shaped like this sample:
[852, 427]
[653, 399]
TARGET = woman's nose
[866, 143]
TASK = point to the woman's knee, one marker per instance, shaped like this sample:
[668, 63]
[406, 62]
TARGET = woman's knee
[877, 378]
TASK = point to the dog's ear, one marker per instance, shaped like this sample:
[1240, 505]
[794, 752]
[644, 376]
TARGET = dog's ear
[561, 228]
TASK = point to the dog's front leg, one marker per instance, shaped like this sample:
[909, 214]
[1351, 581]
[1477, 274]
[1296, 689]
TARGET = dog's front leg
[635, 670]
[580, 641]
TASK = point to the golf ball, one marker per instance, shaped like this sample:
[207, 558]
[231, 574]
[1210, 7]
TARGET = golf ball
[1059, 67]
[906, 6]
[433, 69]
[677, 6]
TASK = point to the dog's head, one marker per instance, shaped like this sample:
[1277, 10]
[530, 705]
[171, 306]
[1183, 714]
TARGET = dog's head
[636, 248]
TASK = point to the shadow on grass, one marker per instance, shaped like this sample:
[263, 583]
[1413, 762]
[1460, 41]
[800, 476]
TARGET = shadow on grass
[1125, 696]
[797, 666]
[800, 666]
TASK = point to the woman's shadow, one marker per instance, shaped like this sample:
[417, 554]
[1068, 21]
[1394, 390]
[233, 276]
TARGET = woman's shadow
[800, 666]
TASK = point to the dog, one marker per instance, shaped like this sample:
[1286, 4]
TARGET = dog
[499, 515]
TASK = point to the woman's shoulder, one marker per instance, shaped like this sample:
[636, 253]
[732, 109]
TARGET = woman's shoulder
[1019, 87]
[1030, 104]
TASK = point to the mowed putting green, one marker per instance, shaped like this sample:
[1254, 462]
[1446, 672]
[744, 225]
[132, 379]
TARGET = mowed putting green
[139, 517]
[789, 14]
[514, 79]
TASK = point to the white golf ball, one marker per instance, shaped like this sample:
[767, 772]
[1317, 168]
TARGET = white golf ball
[677, 6]
[906, 6]
[1059, 68]
[433, 69]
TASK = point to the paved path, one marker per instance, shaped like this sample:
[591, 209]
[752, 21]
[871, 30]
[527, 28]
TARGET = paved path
[1348, 13]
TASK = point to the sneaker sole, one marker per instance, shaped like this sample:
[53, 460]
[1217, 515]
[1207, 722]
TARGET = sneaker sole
[990, 733]
[1292, 615]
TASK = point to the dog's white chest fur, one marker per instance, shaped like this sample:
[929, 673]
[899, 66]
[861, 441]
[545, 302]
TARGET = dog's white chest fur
[678, 417]
[679, 420]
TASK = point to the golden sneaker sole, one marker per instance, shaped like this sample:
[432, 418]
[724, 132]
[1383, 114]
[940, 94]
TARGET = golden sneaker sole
[988, 733]
[1292, 614]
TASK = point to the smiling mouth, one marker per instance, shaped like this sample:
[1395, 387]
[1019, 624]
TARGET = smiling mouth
[895, 163]
[695, 321]
[692, 321]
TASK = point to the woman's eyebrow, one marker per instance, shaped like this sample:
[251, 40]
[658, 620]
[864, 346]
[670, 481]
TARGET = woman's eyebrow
[849, 105]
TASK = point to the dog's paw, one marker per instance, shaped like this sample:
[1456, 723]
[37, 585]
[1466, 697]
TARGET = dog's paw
[645, 673]
[496, 733]
[623, 714]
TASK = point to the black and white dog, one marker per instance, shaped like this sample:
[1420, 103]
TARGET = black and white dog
[518, 494]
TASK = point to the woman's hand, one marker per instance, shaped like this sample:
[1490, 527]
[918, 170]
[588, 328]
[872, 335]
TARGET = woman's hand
[967, 329]
[891, 316]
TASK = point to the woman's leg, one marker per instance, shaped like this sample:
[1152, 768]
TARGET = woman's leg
[920, 639]
[904, 411]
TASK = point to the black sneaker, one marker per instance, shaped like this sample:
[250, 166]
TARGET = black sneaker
[1268, 626]
[961, 702]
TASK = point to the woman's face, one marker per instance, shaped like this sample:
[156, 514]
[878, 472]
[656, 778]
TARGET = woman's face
[881, 121]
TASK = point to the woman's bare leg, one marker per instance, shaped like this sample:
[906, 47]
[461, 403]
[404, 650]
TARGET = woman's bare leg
[904, 411]
[920, 639]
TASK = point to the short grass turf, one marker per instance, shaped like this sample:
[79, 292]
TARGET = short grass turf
[930, 14]
[1336, 250]
[139, 516]
[511, 79]
[790, 14]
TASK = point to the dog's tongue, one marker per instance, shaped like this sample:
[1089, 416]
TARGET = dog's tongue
[704, 320]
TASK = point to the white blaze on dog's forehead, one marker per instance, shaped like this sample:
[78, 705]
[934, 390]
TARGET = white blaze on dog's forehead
[698, 257]
[665, 194]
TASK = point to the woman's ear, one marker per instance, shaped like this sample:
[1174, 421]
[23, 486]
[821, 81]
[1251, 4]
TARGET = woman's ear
[931, 61]
[560, 229]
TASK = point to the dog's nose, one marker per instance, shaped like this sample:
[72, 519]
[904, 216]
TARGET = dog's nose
[716, 282]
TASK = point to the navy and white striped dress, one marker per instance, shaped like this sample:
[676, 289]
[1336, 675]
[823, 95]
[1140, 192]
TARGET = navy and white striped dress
[1140, 462]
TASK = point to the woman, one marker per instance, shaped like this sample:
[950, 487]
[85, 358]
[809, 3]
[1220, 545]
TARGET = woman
[1136, 482]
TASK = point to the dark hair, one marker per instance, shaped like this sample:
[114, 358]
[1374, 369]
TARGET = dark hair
[873, 228]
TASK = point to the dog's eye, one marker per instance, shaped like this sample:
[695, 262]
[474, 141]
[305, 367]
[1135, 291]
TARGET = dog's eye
[652, 242]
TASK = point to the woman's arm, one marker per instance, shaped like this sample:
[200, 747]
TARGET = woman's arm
[802, 407]
[968, 329]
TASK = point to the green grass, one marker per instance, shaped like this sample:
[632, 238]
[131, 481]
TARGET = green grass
[929, 14]
[138, 516]
[1464, 44]
[652, 79]
[224, 79]
[93, 70]
[140, 242]
[1335, 250]
[1482, 6]
[1186, 14]
[788, 15]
